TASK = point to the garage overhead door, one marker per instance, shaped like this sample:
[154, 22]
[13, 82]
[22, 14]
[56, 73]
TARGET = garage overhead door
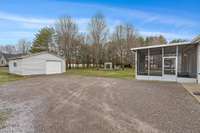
[53, 67]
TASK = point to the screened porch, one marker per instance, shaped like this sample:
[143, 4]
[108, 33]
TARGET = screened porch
[168, 62]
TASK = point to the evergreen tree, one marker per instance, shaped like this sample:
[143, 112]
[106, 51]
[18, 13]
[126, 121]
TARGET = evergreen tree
[178, 40]
[42, 40]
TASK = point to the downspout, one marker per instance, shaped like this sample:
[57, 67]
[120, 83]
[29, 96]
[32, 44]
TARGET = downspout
[148, 62]
[136, 64]
[198, 63]
[176, 62]
[162, 62]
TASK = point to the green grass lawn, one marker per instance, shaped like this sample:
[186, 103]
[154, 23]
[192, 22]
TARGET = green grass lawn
[5, 77]
[124, 74]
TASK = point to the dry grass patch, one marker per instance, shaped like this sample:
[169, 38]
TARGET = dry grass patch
[123, 74]
[5, 77]
[4, 115]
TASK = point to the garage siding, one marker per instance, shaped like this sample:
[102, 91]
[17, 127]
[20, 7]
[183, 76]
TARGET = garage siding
[39, 63]
[53, 67]
[15, 69]
[36, 65]
[33, 66]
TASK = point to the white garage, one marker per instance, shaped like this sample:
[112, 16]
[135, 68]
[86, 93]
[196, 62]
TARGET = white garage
[37, 64]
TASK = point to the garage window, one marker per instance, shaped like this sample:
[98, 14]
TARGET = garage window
[15, 64]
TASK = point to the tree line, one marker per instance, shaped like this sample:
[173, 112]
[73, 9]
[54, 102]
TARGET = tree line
[96, 46]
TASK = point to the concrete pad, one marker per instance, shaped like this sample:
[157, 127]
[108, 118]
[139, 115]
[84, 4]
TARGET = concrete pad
[191, 88]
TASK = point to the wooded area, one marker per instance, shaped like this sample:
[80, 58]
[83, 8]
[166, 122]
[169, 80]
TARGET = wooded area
[96, 46]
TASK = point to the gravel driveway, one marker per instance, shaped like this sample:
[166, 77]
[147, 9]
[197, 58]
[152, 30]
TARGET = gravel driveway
[73, 104]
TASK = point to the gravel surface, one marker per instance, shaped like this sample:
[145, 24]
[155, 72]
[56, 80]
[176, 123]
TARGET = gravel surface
[75, 104]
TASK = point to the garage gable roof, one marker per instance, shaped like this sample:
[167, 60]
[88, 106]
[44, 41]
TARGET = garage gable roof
[30, 55]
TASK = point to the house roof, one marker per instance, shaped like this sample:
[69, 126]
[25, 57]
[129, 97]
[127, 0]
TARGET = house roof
[30, 55]
[196, 39]
[166, 45]
[7, 56]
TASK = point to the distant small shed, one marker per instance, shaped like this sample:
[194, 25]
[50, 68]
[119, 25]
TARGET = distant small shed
[108, 65]
[37, 64]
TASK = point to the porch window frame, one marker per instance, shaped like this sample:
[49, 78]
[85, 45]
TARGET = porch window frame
[148, 56]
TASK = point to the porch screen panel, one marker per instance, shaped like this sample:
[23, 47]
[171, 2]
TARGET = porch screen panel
[156, 62]
[170, 51]
[142, 62]
[187, 61]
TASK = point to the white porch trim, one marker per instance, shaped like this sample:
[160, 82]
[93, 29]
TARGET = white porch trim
[161, 78]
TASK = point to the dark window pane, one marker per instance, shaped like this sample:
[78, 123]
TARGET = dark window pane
[170, 66]
[170, 72]
[15, 64]
[142, 62]
[156, 62]
[170, 51]
[187, 61]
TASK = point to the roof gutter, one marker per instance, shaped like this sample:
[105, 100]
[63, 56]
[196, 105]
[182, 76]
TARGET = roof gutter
[163, 45]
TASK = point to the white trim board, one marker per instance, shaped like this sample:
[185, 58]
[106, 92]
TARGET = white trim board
[161, 78]
[164, 45]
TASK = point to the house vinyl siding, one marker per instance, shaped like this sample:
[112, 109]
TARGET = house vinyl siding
[3, 61]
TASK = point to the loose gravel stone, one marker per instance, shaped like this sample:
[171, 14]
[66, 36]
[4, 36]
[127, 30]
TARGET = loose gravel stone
[76, 104]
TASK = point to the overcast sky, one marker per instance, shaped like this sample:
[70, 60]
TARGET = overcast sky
[171, 18]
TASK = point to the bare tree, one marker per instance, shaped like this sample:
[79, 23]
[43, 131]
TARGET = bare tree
[155, 40]
[123, 39]
[131, 40]
[118, 38]
[1, 48]
[67, 31]
[85, 51]
[10, 49]
[98, 35]
[23, 46]
[111, 52]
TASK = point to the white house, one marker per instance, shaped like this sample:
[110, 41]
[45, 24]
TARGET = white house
[37, 64]
[178, 62]
[4, 57]
[3, 61]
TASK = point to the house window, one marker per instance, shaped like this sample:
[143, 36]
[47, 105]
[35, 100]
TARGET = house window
[2, 62]
[15, 64]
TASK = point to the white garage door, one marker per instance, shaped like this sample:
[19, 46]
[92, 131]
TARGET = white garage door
[53, 67]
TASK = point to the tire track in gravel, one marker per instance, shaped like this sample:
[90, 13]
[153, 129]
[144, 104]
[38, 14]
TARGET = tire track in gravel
[73, 104]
